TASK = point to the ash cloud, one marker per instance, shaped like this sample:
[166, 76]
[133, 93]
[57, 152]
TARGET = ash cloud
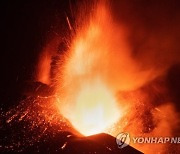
[153, 36]
[153, 33]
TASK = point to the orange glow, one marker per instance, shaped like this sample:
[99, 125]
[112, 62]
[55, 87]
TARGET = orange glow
[95, 68]
[43, 74]
[88, 99]
[110, 76]
[95, 109]
[99, 82]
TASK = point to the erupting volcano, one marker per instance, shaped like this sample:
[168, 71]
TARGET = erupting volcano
[109, 69]
[88, 99]
[89, 74]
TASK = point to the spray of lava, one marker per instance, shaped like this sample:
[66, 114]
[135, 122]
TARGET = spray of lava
[96, 70]
[98, 84]
[96, 67]
[88, 100]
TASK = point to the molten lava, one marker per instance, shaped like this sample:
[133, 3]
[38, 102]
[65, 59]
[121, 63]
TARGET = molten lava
[87, 97]
[95, 108]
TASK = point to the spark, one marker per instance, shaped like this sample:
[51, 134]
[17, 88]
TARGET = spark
[69, 24]
[64, 145]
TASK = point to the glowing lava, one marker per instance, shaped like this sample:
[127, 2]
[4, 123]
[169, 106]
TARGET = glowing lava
[87, 97]
[95, 109]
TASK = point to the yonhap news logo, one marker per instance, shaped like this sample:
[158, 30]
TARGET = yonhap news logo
[123, 139]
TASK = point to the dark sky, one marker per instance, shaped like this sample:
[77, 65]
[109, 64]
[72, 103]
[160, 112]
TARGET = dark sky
[25, 28]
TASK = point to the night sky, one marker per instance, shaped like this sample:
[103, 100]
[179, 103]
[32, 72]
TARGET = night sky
[26, 26]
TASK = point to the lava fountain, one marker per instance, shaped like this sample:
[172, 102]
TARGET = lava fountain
[87, 97]
[96, 67]
[95, 108]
